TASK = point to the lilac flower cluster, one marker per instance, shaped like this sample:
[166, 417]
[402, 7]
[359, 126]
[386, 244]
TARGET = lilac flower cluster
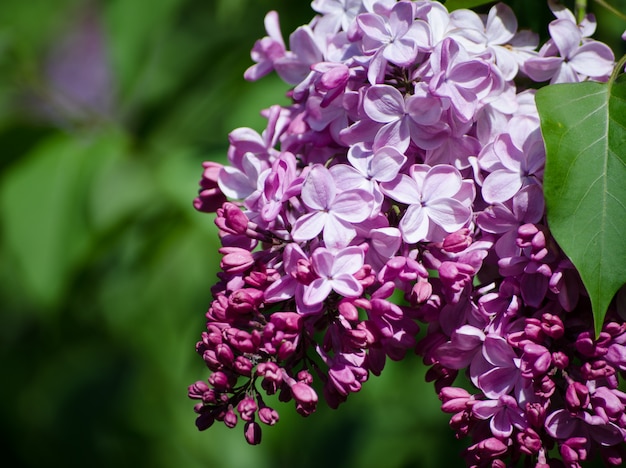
[403, 184]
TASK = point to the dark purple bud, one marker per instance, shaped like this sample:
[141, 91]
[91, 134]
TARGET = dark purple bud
[574, 450]
[454, 399]
[235, 260]
[303, 273]
[244, 301]
[348, 310]
[421, 291]
[286, 349]
[457, 241]
[588, 347]
[305, 397]
[560, 360]
[552, 326]
[268, 416]
[529, 441]
[576, 396]
[243, 365]
[289, 322]
[536, 414]
[230, 419]
[596, 370]
[231, 220]
[488, 449]
[460, 423]
[205, 417]
[305, 376]
[536, 360]
[224, 354]
[546, 387]
[221, 381]
[241, 340]
[197, 390]
[252, 432]
[533, 330]
[247, 408]
[210, 197]
[210, 397]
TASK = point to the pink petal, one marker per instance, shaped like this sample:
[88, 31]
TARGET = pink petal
[442, 181]
[403, 189]
[448, 213]
[347, 286]
[501, 24]
[383, 103]
[338, 233]
[414, 224]
[322, 260]
[309, 226]
[316, 292]
[501, 185]
[353, 206]
[348, 260]
[318, 190]
[566, 36]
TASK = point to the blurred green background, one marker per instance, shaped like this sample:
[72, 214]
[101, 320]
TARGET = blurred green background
[107, 110]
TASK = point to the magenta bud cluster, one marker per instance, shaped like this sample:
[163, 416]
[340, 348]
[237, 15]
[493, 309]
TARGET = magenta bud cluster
[403, 185]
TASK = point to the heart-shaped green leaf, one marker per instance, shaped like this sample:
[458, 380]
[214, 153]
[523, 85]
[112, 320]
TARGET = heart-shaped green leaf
[584, 128]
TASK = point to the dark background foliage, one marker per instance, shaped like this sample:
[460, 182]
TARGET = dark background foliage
[107, 110]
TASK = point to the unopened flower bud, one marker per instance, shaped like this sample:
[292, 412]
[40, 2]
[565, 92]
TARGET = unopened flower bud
[252, 433]
[268, 416]
[247, 408]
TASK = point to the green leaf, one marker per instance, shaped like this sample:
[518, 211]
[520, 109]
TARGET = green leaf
[44, 209]
[459, 4]
[584, 128]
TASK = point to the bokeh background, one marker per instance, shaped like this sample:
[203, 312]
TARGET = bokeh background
[107, 110]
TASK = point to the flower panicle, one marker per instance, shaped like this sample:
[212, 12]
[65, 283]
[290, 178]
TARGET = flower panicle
[403, 185]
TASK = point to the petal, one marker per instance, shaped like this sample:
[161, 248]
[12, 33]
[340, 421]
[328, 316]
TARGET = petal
[383, 103]
[542, 68]
[500, 425]
[501, 24]
[316, 292]
[396, 134]
[386, 164]
[448, 213]
[347, 177]
[348, 261]
[386, 241]
[374, 28]
[353, 206]
[485, 409]
[347, 286]
[593, 59]
[322, 261]
[501, 185]
[414, 224]
[566, 36]
[402, 189]
[441, 181]
[235, 184]
[318, 190]
[498, 352]
[401, 52]
[281, 289]
[309, 226]
[338, 233]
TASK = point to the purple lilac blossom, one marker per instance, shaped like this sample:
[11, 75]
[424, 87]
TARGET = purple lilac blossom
[409, 161]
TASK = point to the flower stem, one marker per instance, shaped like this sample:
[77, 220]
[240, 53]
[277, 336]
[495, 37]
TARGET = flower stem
[580, 9]
[611, 8]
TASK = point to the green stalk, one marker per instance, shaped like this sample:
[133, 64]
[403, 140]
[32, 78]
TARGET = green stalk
[611, 8]
[580, 10]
